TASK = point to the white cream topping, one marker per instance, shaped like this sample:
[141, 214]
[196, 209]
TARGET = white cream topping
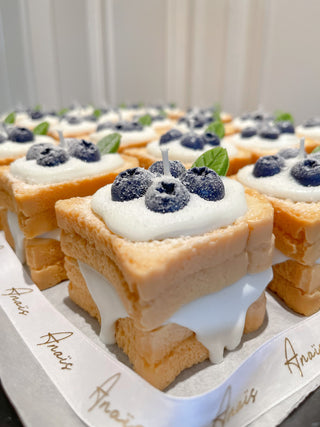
[285, 140]
[30, 123]
[15, 149]
[68, 129]
[127, 138]
[281, 185]
[217, 319]
[133, 220]
[240, 124]
[111, 116]
[185, 154]
[311, 132]
[32, 173]
[160, 124]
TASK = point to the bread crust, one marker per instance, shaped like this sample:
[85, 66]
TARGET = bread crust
[34, 204]
[154, 279]
[161, 354]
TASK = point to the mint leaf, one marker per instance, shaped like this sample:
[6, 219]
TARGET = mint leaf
[97, 113]
[10, 119]
[172, 105]
[37, 107]
[41, 129]
[109, 144]
[145, 120]
[217, 128]
[63, 111]
[281, 116]
[162, 113]
[123, 105]
[316, 150]
[217, 159]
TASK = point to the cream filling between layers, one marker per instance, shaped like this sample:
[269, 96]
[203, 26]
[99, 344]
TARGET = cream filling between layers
[281, 185]
[133, 220]
[185, 154]
[32, 173]
[217, 319]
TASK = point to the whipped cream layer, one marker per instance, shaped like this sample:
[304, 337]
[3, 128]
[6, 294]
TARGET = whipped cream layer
[127, 138]
[30, 172]
[217, 319]
[68, 129]
[133, 220]
[16, 149]
[285, 140]
[312, 132]
[281, 185]
[30, 123]
[176, 151]
[240, 124]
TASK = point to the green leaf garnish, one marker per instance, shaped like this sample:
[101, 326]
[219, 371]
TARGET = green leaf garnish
[162, 113]
[97, 113]
[145, 120]
[217, 159]
[281, 116]
[41, 129]
[63, 111]
[172, 105]
[140, 104]
[123, 105]
[37, 107]
[217, 128]
[10, 119]
[109, 144]
[316, 150]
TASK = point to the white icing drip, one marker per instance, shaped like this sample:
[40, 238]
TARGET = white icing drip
[185, 154]
[127, 138]
[15, 149]
[256, 142]
[217, 319]
[281, 185]
[131, 219]
[17, 235]
[309, 132]
[32, 173]
[108, 302]
[53, 234]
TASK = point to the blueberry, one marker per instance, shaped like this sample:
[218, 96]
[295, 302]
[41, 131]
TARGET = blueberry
[268, 166]
[183, 120]
[83, 150]
[125, 126]
[167, 195]
[248, 132]
[257, 116]
[197, 121]
[74, 120]
[20, 135]
[204, 182]
[211, 138]
[169, 136]
[177, 169]
[35, 150]
[289, 153]
[285, 126]
[158, 118]
[91, 118]
[307, 172]
[105, 110]
[131, 184]
[105, 125]
[246, 116]
[36, 115]
[3, 137]
[52, 113]
[269, 132]
[314, 121]
[52, 156]
[192, 140]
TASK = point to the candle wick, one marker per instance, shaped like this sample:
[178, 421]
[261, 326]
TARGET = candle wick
[61, 138]
[165, 161]
[302, 152]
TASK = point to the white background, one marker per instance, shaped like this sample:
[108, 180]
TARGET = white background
[240, 53]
